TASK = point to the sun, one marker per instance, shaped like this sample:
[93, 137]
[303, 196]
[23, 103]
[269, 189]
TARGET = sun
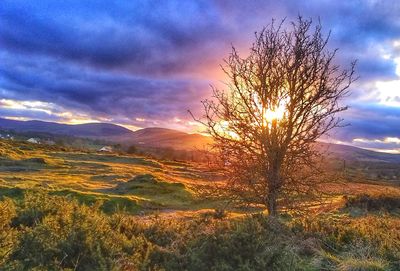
[276, 114]
[271, 113]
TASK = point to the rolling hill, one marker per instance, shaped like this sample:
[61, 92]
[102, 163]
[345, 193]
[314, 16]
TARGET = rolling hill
[153, 137]
[79, 130]
[352, 153]
[169, 138]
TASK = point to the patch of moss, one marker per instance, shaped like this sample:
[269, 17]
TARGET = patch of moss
[163, 193]
[110, 204]
[11, 192]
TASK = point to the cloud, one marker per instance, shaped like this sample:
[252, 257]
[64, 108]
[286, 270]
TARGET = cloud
[370, 122]
[147, 37]
[99, 93]
[144, 63]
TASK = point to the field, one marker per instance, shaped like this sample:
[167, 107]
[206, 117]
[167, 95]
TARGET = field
[64, 209]
[130, 183]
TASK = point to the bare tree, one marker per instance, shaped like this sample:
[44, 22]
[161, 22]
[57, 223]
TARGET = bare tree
[281, 98]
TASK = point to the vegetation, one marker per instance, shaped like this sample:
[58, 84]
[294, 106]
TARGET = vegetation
[121, 182]
[65, 209]
[43, 232]
[281, 98]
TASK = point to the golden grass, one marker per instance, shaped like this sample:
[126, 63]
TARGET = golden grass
[105, 175]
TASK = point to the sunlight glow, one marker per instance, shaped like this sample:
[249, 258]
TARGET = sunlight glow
[277, 114]
[389, 90]
[386, 140]
[26, 105]
[271, 114]
[223, 128]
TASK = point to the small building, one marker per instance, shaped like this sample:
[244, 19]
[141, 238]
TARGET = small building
[33, 140]
[6, 136]
[106, 149]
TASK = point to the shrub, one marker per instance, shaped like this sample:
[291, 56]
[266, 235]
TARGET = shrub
[58, 233]
[369, 240]
[371, 203]
[132, 149]
[256, 243]
[52, 232]
[7, 233]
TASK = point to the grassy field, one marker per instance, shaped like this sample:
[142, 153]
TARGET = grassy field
[130, 183]
[134, 184]
[62, 209]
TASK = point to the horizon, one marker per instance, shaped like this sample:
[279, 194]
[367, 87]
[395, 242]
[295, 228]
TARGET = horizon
[137, 66]
[325, 141]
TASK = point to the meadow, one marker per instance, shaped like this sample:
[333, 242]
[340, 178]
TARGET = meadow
[68, 209]
[123, 182]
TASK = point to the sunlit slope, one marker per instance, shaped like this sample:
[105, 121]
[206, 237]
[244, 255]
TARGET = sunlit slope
[131, 182]
[81, 130]
[147, 137]
[359, 163]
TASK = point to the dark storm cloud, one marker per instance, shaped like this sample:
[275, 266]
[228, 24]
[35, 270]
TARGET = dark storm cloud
[141, 37]
[369, 121]
[360, 29]
[164, 37]
[153, 60]
[99, 93]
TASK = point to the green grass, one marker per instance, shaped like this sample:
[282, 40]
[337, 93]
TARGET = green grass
[109, 204]
[132, 183]
[11, 192]
[86, 205]
[163, 193]
[109, 159]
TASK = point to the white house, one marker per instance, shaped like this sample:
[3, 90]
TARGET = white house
[106, 149]
[33, 140]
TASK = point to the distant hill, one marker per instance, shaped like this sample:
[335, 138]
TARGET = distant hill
[79, 130]
[168, 138]
[161, 137]
[153, 137]
[351, 153]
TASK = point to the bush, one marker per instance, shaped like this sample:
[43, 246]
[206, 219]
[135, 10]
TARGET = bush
[256, 243]
[57, 233]
[372, 241]
[369, 203]
[51, 232]
[132, 149]
[7, 233]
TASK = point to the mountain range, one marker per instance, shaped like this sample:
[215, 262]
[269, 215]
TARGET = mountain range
[167, 138]
[154, 137]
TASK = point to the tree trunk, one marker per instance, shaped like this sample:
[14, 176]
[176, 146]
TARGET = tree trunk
[273, 191]
[272, 203]
[273, 177]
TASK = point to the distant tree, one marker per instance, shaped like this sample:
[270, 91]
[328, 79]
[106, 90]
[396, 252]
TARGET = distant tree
[281, 98]
[117, 147]
[132, 149]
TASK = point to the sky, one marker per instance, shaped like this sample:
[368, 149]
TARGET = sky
[145, 63]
